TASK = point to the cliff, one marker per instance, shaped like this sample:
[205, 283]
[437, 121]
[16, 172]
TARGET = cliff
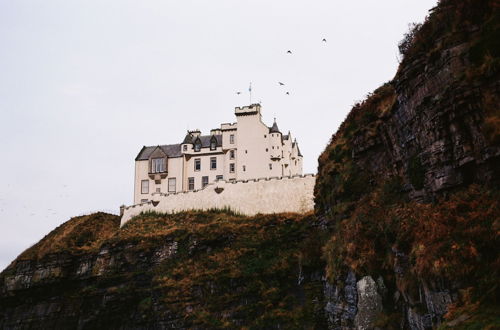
[405, 232]
[409, 182]
[189, 270]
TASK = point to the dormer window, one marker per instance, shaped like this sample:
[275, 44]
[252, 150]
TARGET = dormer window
[213, 143]
[185, 147]
[158, 165]
[197, 145]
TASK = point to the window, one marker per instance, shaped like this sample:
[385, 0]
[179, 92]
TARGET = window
[191, 183]
[144, 200]
[246, 151]
[273, 147]
[213, 144]
[197, 164]
[231, 168]
[231, 154]
[145, 187]
[185, 147]
[158, 190]
[157, 165]
[244, 168]
[267, 149]
[231, 138]
[219, 177]
[213, 163]
[204, 181]
[197, 145]
[171, 185]
[265, 136]
[270, 166]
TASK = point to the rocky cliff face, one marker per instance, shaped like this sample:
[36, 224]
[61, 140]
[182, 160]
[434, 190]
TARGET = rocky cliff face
[398, 179]
[189, 270]
[405, 233]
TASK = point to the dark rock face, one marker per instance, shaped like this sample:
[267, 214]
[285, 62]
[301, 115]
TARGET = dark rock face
[83, 292]
[341, 303]
[430, 132]
[434, 137]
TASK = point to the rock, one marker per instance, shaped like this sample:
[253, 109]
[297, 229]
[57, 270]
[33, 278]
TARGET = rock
[369, 303]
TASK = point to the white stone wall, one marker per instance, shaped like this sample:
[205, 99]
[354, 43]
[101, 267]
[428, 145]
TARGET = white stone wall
[274, 195]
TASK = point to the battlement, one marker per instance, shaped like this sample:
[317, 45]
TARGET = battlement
[249, 197]
[247, 110]
[228, 126]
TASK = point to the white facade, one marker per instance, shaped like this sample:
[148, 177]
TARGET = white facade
[248, 197]
[247, 149]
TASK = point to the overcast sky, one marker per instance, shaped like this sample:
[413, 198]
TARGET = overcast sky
[85, 84]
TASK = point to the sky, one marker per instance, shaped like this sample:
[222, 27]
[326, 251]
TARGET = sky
[85, 84]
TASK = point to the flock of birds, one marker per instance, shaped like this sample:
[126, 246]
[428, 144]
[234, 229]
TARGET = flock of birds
[288, 52]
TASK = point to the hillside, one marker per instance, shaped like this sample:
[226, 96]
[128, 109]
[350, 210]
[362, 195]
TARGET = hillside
[405, 232]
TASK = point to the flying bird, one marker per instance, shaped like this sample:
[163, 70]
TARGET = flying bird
[287, 93]
[324, 40]
[289, 52]
[238, 93]
[281, 84]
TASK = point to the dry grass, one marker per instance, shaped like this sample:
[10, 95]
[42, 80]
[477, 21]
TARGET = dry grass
[78, 235]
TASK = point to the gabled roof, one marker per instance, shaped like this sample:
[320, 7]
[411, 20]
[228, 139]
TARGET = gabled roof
[172, 151]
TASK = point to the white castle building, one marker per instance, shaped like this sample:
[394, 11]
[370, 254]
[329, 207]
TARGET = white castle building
[244, 150]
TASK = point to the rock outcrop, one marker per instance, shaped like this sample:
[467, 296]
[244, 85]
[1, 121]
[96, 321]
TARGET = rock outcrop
[407, 161]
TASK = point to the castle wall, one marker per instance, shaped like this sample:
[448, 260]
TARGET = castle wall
[175, 170]
[275, 195]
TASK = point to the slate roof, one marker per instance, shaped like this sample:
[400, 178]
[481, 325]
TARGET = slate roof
[188, 139]
[298, 150]
[174, 150]
[205, 140]
[274, 128]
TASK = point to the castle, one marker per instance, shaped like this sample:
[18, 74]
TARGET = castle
[247, 149]
[245, 166]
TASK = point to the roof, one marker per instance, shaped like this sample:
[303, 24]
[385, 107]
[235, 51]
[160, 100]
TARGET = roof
[205, 140]
[274, 128]
[172, 150]
[188, 138]
[295, 144]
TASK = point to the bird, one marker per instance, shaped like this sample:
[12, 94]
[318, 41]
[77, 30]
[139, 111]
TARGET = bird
[289, 52]
[238, 93]
[324, 39]
[287, 93]
[281, 84]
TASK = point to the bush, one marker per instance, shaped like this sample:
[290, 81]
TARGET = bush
[408, 39]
